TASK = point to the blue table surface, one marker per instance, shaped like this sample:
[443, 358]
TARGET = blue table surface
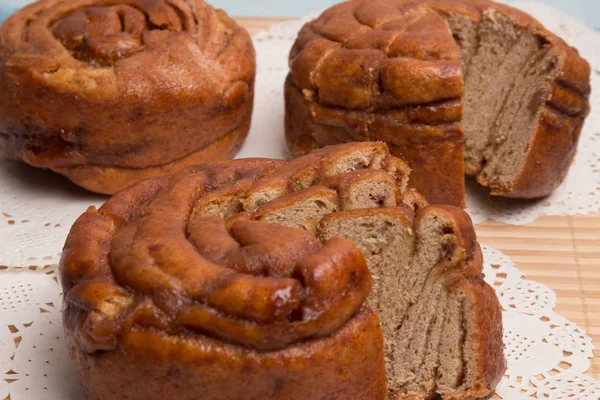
[587, 11]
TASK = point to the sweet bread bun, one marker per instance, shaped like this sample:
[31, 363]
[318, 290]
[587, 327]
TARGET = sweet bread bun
[109, 93]
[249, 279]
[452, 86]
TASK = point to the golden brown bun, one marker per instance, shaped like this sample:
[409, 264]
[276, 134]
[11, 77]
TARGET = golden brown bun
[217, 279]
[173, 289]
[389, 70]
[110, 93]
[114, 179]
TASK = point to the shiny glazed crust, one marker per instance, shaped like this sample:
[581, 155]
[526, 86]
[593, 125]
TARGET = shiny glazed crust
[175, 287]
[388, 70]
[184, 368]
[193, 282]
[109, 93]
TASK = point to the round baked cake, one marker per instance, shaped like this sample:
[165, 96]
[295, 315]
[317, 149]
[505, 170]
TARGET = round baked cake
[109, 93]
[452, 86]
[261, 279]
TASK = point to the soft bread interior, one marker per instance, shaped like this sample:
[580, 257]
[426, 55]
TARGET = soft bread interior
[508, 72]
[423, 321]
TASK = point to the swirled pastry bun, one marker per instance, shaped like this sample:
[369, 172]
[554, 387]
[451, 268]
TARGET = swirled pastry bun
[109, 93]
[254, 279]
[453, 87]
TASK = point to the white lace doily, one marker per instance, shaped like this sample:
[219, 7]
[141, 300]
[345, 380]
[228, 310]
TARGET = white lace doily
[547, 354]
[37, 207]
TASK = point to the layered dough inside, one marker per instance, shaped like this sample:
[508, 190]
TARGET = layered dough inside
[426, 324]
[508, 73]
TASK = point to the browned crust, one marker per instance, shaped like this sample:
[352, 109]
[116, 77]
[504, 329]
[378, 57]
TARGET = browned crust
[488, 347]
[149, 364]
[349, 82]
[111, 180]
[310, 126]
[184, 92]
[299, 125]
[438, 185]
[345, 32]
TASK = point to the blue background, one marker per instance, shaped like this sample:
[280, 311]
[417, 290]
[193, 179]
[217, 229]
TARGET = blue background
[587, 11]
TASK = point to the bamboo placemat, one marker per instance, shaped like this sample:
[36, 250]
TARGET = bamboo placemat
[561, 252]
